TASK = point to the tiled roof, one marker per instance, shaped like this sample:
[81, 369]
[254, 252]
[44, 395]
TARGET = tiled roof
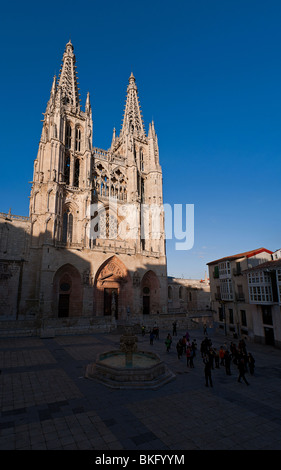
[247, 254]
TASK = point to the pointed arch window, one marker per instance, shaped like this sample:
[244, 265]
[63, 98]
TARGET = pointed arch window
[67, 169]
[68, 136]
[76, 173]
[170, 293]
[181, 293]
[142, 190]
[67, 227]
[141, 160]
[77, 139]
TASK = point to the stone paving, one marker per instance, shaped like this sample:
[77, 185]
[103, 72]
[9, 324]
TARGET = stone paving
[46, 402]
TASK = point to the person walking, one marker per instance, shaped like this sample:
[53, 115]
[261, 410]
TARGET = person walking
[179, 348]
[208, 371]
[251, 363]
[175, 328]
[241, 368]
[221, 354]
[227, 362]
[205, 329]
[168, 342]
[188, 355]
[217, 358]
[211, 357]
[194, 347]
[156, 331]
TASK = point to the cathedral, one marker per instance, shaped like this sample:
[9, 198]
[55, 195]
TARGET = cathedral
[78, 255]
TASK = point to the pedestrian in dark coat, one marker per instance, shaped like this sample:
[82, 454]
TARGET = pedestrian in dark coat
[227, 362]
[251, 363]
[241, 368]
[179, 347]
[217, 358]
[168, 342]
[208, 371]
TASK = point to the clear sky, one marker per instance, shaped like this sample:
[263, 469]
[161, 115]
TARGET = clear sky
[209, 75]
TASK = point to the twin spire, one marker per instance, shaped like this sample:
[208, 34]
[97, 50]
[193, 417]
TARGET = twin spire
[65, 90]
[68, 80]
[132, 119]
[67, 86]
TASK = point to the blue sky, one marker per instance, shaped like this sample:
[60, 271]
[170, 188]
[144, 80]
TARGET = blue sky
[208, 74]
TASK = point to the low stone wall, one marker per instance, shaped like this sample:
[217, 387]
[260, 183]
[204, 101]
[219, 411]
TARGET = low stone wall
[185, 321]
[51, 327]
[55, 326]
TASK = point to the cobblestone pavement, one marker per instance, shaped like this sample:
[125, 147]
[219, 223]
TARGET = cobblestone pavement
[47, 403]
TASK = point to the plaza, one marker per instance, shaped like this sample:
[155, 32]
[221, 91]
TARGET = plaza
[48, 404]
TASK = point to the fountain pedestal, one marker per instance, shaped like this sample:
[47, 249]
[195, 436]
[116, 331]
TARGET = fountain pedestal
[128, 345]
[128, 368]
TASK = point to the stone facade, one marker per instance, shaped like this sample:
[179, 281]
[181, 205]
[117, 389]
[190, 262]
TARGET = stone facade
[76, 255]
[190, 298]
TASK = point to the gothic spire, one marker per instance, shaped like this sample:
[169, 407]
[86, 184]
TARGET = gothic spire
[132, 120]
[68, 80]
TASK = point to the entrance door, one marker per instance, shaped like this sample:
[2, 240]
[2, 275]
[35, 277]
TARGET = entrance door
[269, 336]
[146, 304]
[110, 302]
[63, 310]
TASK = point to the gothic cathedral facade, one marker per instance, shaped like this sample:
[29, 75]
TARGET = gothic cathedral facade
[76, 255]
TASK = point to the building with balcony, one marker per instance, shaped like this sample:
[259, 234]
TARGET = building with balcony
[264, 287]
[232, 311]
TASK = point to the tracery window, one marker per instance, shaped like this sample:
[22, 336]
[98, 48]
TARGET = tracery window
[113, 185]
[108, 226]
[105, 225]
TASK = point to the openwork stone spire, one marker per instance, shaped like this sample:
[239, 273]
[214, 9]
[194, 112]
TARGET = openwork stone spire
[132, 121]
[68, 80]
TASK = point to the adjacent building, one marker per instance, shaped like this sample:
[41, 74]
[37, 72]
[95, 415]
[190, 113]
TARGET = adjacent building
[232, 310]
[264, 284]
[190, 298]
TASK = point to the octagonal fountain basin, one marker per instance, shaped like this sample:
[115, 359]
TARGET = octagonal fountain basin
[136, 370]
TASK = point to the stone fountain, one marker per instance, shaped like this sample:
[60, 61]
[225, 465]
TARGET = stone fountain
[129, 368]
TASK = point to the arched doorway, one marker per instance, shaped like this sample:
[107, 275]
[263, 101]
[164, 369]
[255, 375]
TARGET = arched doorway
[112, 289]
[67, 292]
[150, 292]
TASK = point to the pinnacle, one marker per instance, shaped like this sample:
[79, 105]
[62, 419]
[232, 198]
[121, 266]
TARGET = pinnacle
[132, 118]
[68, 79]
[69, 44]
